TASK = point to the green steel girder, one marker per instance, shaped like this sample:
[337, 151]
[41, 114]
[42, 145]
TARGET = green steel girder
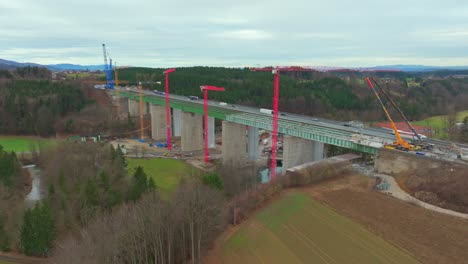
[324, 135]
[196, 108]
[292, 128]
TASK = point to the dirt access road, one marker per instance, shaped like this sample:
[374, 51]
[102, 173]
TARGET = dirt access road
[429, 236]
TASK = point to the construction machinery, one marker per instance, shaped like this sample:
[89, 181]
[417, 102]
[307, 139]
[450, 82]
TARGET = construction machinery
[168, 108]
[205, 89]
[398, 109]
[461, 153]
[107, 69]
[276, 85]
[399, 144]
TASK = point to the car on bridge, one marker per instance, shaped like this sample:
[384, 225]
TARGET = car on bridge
[193, 97]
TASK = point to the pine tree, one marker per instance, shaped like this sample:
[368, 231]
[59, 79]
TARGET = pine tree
[37, 232]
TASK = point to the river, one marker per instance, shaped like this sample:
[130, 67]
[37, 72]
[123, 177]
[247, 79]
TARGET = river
[37, 190]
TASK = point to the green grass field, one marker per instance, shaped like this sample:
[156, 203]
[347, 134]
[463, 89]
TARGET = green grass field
[23, 144]
[438, 123]
[297, 229]
[165, 172]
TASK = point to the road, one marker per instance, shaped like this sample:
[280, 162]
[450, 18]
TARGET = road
[333, 125]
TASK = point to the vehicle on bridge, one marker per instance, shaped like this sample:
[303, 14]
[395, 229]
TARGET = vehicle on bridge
[192, 97]
[222, 104]
[266, 111]
[409, 135]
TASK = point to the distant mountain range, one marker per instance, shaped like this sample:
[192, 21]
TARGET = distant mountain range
[6, 64]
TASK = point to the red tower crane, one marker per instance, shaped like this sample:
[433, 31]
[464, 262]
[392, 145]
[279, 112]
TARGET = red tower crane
[205, 90]
[168, 109]
[276, 83]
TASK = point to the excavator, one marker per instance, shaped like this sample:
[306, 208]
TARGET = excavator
[399, 144]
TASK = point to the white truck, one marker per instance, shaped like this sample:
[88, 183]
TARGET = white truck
[222, 104]
[266, 111]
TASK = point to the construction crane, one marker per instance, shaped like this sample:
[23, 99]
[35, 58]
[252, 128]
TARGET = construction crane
[276, 85]
[205, 89]
[398, 109]
[168, 109]
[107, 69]
[399, 143]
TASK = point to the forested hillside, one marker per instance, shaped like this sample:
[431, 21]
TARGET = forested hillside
[32, 106]
[342, 96]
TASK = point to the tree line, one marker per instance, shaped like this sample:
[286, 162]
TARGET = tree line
[342, 96]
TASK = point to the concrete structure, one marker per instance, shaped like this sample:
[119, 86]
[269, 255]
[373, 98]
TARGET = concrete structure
[395, 163]
[158, 122]
[234, 147]
[297, 151]
[211, 132]
[133, 107]
[192, 132]
[252, 143]
[176, 122]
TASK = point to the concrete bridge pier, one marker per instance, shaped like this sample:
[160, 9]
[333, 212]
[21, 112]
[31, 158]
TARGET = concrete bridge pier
[211, 132]
[297, 151]
[158, 122]
[133, 107]
[234, 144]
[176, 122]
[252, 143]
[192, 132]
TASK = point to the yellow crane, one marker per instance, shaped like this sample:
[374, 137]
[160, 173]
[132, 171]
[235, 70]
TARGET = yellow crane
[399, 143]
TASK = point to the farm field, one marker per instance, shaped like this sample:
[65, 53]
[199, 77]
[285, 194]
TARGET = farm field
[165, 172]
[438, 123]
[23, 144]
[297, 229]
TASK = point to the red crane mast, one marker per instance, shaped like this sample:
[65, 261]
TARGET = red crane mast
[168, 109]
[205, 89]
[276, 85]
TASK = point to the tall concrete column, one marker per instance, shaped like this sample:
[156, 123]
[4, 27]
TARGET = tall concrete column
[234, 144]
[176, 122]
[133, 107]
[252, 143]
[297, 151]
[211, 132]
[192, 132]
[317, 151]
[158, 122]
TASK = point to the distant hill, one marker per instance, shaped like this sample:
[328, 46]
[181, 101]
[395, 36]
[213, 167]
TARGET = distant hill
[418, 68]
[9, 65]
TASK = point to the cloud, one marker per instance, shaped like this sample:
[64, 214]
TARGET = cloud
[243, 32]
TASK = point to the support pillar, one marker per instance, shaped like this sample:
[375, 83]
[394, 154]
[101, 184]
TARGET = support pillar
[234, 144]
[252, 143]
[133, 107]
[317, 151]
[158, 122]
[192, 132]
[211, 132]
[297, 151]
[176, 122]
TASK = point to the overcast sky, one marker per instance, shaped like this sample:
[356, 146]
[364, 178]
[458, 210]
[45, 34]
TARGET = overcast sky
[160, 33]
